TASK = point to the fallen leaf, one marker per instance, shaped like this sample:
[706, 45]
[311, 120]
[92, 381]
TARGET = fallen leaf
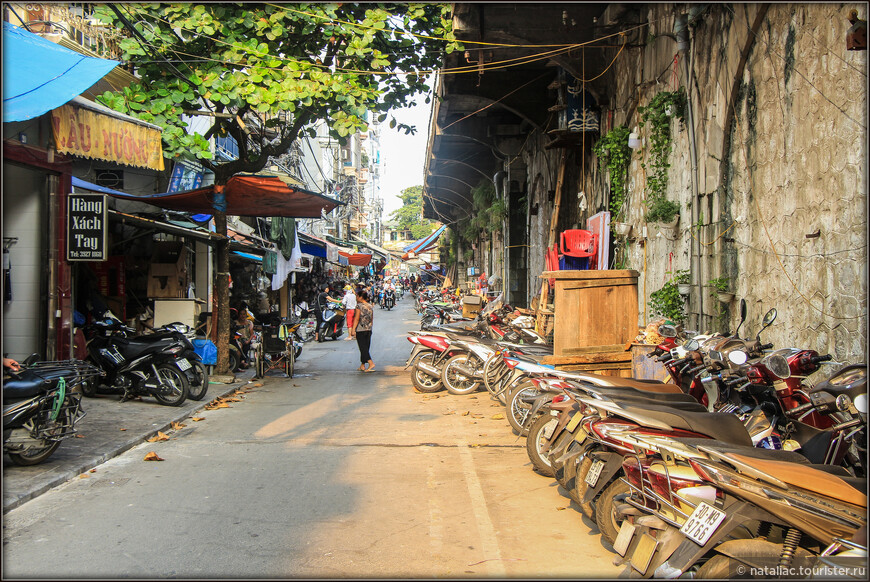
[466, 413]
[123, 429]
[498, 416]
[80, 436]
[196, 418]
[561, 508]
[84, 476]
[152, 456]
[477, 415]
[448, 412]
[177, 426]
[93, 470]
[296, 385]
[258, 384]
[158, 437]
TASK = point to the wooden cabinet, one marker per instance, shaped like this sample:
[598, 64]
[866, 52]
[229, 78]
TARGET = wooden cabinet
[595, 311]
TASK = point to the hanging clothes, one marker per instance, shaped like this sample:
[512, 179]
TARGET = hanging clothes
[283, 233]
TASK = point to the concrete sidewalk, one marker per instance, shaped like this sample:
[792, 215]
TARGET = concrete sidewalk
[109, 428]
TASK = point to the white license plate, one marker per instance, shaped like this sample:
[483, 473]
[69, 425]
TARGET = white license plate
[702, 523]
[594, 473]
[183, 364]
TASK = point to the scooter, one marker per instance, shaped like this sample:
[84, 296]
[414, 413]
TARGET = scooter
[135, 367]
[333, 322]
[41, 406]
[389, 299]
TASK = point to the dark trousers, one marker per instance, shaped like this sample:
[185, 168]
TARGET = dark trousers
[364, 341]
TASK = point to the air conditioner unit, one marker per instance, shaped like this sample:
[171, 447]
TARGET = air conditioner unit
[345, 154]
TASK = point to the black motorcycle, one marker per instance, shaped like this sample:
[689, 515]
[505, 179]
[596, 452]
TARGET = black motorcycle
[389, 299]
[135, 366]
[333, 322]
[41, 406]
[187, 359]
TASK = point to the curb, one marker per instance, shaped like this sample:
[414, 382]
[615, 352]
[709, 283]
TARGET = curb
[124, 446]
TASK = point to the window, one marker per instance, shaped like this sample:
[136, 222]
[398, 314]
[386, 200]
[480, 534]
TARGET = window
[226, 148]
[394, 235]
[408, 235]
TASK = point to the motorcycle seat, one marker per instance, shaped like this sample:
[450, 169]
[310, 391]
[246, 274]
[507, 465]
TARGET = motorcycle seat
[639, 385]
[747, 451]
[808, 478]
[134, 348]
[27, 384]
[721, 426]
[624, 392]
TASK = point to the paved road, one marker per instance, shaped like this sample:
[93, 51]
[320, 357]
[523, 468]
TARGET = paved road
[334, 473]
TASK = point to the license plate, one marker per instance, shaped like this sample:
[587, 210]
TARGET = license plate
[575, 420]
[643, 552]
[702, 523]
[623, 538]
[594, 473]
[183, 364]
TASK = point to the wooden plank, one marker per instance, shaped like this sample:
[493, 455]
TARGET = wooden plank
[554, 221]
[590, 274]
[607, 359]
[598, 283]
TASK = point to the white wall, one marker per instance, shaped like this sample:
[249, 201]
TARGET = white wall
[24, 217]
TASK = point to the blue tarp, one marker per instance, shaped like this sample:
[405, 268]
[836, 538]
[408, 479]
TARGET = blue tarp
[313, 250]
[39, 75]
[79, 183]
[424, 243]
[249, 256]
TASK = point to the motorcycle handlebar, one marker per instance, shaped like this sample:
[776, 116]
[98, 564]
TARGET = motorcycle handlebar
[820, 359]
[765, 347]
[664, 357]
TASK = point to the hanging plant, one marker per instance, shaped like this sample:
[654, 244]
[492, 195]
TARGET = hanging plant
[614, 155]
[667, 301]
[658, 115]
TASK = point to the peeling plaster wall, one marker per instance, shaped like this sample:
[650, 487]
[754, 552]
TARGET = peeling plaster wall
[795, 164]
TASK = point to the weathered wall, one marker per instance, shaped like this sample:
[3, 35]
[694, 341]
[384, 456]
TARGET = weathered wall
[790, 116]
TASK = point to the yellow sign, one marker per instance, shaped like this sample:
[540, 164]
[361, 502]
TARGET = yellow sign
[88, 134]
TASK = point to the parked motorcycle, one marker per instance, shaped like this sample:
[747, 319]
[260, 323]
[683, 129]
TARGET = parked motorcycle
[187, 359]
[133, 366]
[333, 322]
[41, 406]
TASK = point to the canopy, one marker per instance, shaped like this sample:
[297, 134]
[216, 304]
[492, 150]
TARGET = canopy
[39, 75]
[246, 195]
[422, 245]
[357, 259]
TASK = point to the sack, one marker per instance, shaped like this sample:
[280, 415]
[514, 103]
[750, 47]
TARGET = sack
[206, 350]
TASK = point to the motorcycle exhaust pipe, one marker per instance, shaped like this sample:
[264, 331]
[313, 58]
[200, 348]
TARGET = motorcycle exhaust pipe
[466, 371]
[429, 369]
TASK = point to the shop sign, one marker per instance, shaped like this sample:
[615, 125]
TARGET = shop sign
[88, 134]
[185, 177]
[86, 227]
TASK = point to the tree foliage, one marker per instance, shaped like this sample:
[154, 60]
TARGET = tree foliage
[267, 72]
[410, 215]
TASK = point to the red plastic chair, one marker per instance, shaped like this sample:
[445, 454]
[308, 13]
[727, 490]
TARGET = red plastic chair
[551, 261]
[580, 243]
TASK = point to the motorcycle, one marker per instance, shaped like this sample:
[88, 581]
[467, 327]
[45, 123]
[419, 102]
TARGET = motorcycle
[333, 322]
[135, 367]
[41, 406]
[187, 359]
[389, 299]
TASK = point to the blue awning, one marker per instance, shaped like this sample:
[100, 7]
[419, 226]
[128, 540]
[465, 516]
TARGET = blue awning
[420, 245]
[84, 185]
[249, 256]
[313, 250]
[39, 75]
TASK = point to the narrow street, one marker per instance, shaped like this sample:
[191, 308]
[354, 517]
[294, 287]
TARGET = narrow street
[335, 473]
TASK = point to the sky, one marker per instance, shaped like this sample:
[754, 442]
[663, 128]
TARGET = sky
[402, 156]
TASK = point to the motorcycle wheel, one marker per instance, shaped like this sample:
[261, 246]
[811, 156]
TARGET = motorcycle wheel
[422, 381]
[536, 440]
[454, 381]
[235, 361]
[290, 362]
[171, 375]
[199, 386]
[517, 410]
[581, 486]
[720, 567]
[605, 511]
[491, 371]
[297, 345]
[35, 455]
[89, 386]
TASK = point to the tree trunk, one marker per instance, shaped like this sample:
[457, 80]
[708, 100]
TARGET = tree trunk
[222, 292]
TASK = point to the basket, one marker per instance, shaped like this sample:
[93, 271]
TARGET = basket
[272, 340]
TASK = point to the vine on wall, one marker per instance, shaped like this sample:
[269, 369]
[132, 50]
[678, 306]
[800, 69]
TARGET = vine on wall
[658, 115]
[615, 155]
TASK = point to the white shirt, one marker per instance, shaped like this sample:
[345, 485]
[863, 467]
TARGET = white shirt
[349, 300]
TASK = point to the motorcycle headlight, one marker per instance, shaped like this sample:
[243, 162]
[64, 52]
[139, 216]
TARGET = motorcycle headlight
[778, 365]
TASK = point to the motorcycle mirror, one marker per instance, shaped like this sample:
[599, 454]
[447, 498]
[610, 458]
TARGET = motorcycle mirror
[742, 317]
[666, 330]
[715, 356]
[692, 345]
[737, 357]
[30, 360]
[768, 319]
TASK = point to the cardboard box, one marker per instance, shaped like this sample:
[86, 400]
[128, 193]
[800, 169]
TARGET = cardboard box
[471, 305]
[167, 274]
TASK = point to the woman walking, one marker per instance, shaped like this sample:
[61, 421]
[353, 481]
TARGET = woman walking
[362, 329]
